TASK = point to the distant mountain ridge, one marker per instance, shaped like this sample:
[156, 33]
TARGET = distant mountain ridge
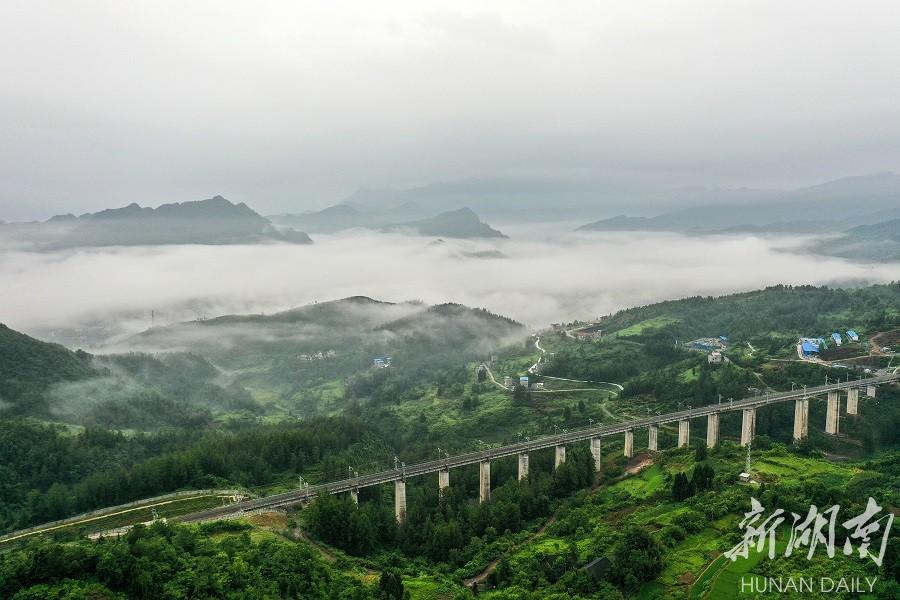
[212, 221]
[879, 241]
[408, 217]
[832, 206]
[345, 216]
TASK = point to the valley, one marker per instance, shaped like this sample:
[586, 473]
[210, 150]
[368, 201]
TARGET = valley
[282, 407]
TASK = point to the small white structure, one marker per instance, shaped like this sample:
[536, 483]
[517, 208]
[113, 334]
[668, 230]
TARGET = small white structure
[714, 358]
[539, 385]
[745, 477]
[508, 382]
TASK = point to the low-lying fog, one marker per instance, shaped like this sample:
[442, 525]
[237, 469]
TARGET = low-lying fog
[537, 278]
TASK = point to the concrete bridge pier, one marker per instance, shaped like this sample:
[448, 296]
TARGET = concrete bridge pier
[870, 391]
[443, 480]
[595, 451]
[748, 426]
[833, 412]
[801, 419]
[400, 501]
[484, 486]
[853, 401]
[653, 438]
[629, 443]
[712, 430]
[354, 495]
[523, 466]
[684, 433]
[559, 457]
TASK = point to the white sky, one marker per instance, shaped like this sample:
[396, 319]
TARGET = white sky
[294, 104]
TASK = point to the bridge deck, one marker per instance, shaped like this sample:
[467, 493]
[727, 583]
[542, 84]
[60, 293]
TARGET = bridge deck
[470, 458]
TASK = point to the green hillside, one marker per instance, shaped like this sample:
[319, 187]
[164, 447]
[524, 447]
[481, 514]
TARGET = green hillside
[29, 366]
[790, 310]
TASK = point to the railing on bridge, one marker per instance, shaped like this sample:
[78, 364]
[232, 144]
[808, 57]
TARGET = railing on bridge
[595, 433]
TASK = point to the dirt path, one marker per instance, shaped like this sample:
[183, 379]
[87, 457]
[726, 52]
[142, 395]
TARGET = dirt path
[640, 462]
[637, 464]
[298, 535]
[491, 376]
[878, 344]
[492, 566]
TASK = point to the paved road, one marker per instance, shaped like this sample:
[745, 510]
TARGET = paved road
[470, 458]
[112, 511]
[586, 381]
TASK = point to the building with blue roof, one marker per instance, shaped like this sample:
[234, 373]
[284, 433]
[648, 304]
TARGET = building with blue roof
[836, 337]
[809, 347]
[852, 335]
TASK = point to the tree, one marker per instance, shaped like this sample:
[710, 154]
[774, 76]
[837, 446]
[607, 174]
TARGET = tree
[700, 452]
[636, 558]
[390, 585]
[681, 487]
[703, 477]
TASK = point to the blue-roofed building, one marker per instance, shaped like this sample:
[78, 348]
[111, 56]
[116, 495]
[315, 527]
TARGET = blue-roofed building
[852, 335]
[809, 347]
[523, 381]
[837, 338]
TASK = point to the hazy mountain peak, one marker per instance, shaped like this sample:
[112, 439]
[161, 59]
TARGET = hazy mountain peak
[459, 223]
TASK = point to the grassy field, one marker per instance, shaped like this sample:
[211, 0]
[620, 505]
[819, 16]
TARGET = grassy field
[645, 326]
[429, 587]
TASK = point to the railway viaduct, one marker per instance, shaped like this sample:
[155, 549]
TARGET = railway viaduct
[595, 434]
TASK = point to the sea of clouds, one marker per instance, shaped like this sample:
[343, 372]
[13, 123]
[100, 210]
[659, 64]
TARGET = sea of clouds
[544, 276]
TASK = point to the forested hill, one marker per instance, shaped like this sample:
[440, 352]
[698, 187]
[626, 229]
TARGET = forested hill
[356, 327]
[451, 331]
[361, 310]
[804, 310]
[29, 366]
[454, 326]
[311, 328]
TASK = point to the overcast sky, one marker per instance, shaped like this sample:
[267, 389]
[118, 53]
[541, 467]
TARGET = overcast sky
[294, 104]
